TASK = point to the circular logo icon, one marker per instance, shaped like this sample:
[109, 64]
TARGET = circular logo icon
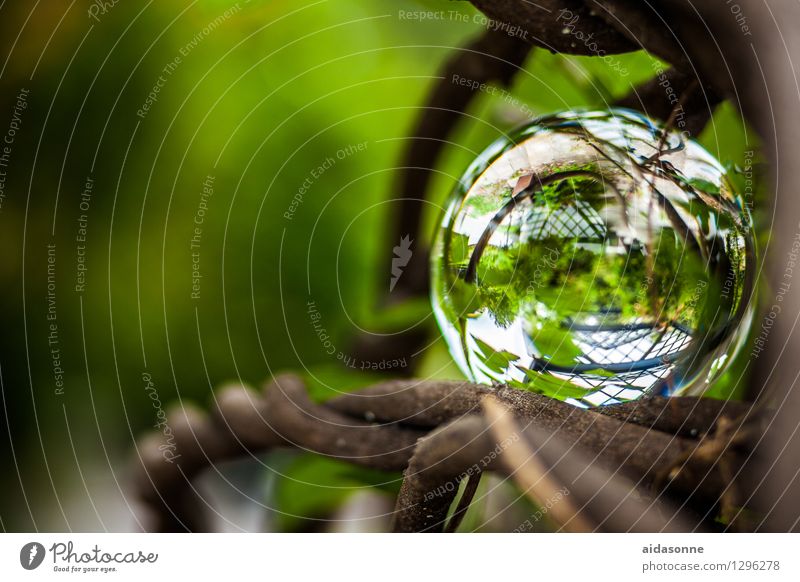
[31, 555]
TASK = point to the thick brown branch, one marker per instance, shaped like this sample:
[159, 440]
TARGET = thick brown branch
[167, 465]
[643, 27]
[581, 495]
[467, 446]
[686, 416]
[441, 460]
[322, 430]
[543, 23]
[494, 57]
[245, 422]
[432, 403]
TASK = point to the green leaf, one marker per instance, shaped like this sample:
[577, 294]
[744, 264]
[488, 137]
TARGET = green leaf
[313, 486]
[497, 361]
[700, 184]
[543, 383]
[555, 343]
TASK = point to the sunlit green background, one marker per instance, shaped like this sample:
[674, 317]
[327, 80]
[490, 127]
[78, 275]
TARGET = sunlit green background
[259, 103]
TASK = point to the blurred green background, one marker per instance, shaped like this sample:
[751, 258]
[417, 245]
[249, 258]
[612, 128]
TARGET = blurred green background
[264, 93]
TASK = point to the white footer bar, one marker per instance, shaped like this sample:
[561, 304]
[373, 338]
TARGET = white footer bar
[406, 558]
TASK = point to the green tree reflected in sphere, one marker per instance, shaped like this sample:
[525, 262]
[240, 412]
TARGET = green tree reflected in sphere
[595, 257]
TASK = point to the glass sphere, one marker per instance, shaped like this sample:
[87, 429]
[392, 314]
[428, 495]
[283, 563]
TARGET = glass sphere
[594, 257]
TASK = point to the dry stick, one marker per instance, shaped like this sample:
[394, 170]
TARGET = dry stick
[642, 455]
[670, 125]
[605, 499]
[467, 445]
[448, 452]
[528, 471]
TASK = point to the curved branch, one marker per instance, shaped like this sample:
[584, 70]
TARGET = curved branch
[494, 57]
[245, 423]
[322, 430]
[543, 23]
[581, 495]
[430, 403]
[642, 26]
[381, 427]
[581, 456]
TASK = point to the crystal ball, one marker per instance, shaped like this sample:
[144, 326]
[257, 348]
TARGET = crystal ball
[595, 257]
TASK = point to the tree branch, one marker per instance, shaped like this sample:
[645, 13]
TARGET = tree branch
[386, 427]
[543, 21]
[576, 493]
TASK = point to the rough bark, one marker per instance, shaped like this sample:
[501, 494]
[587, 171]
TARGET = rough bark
[436, 431]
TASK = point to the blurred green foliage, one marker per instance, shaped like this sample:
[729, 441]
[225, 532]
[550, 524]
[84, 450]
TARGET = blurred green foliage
[312, 486]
